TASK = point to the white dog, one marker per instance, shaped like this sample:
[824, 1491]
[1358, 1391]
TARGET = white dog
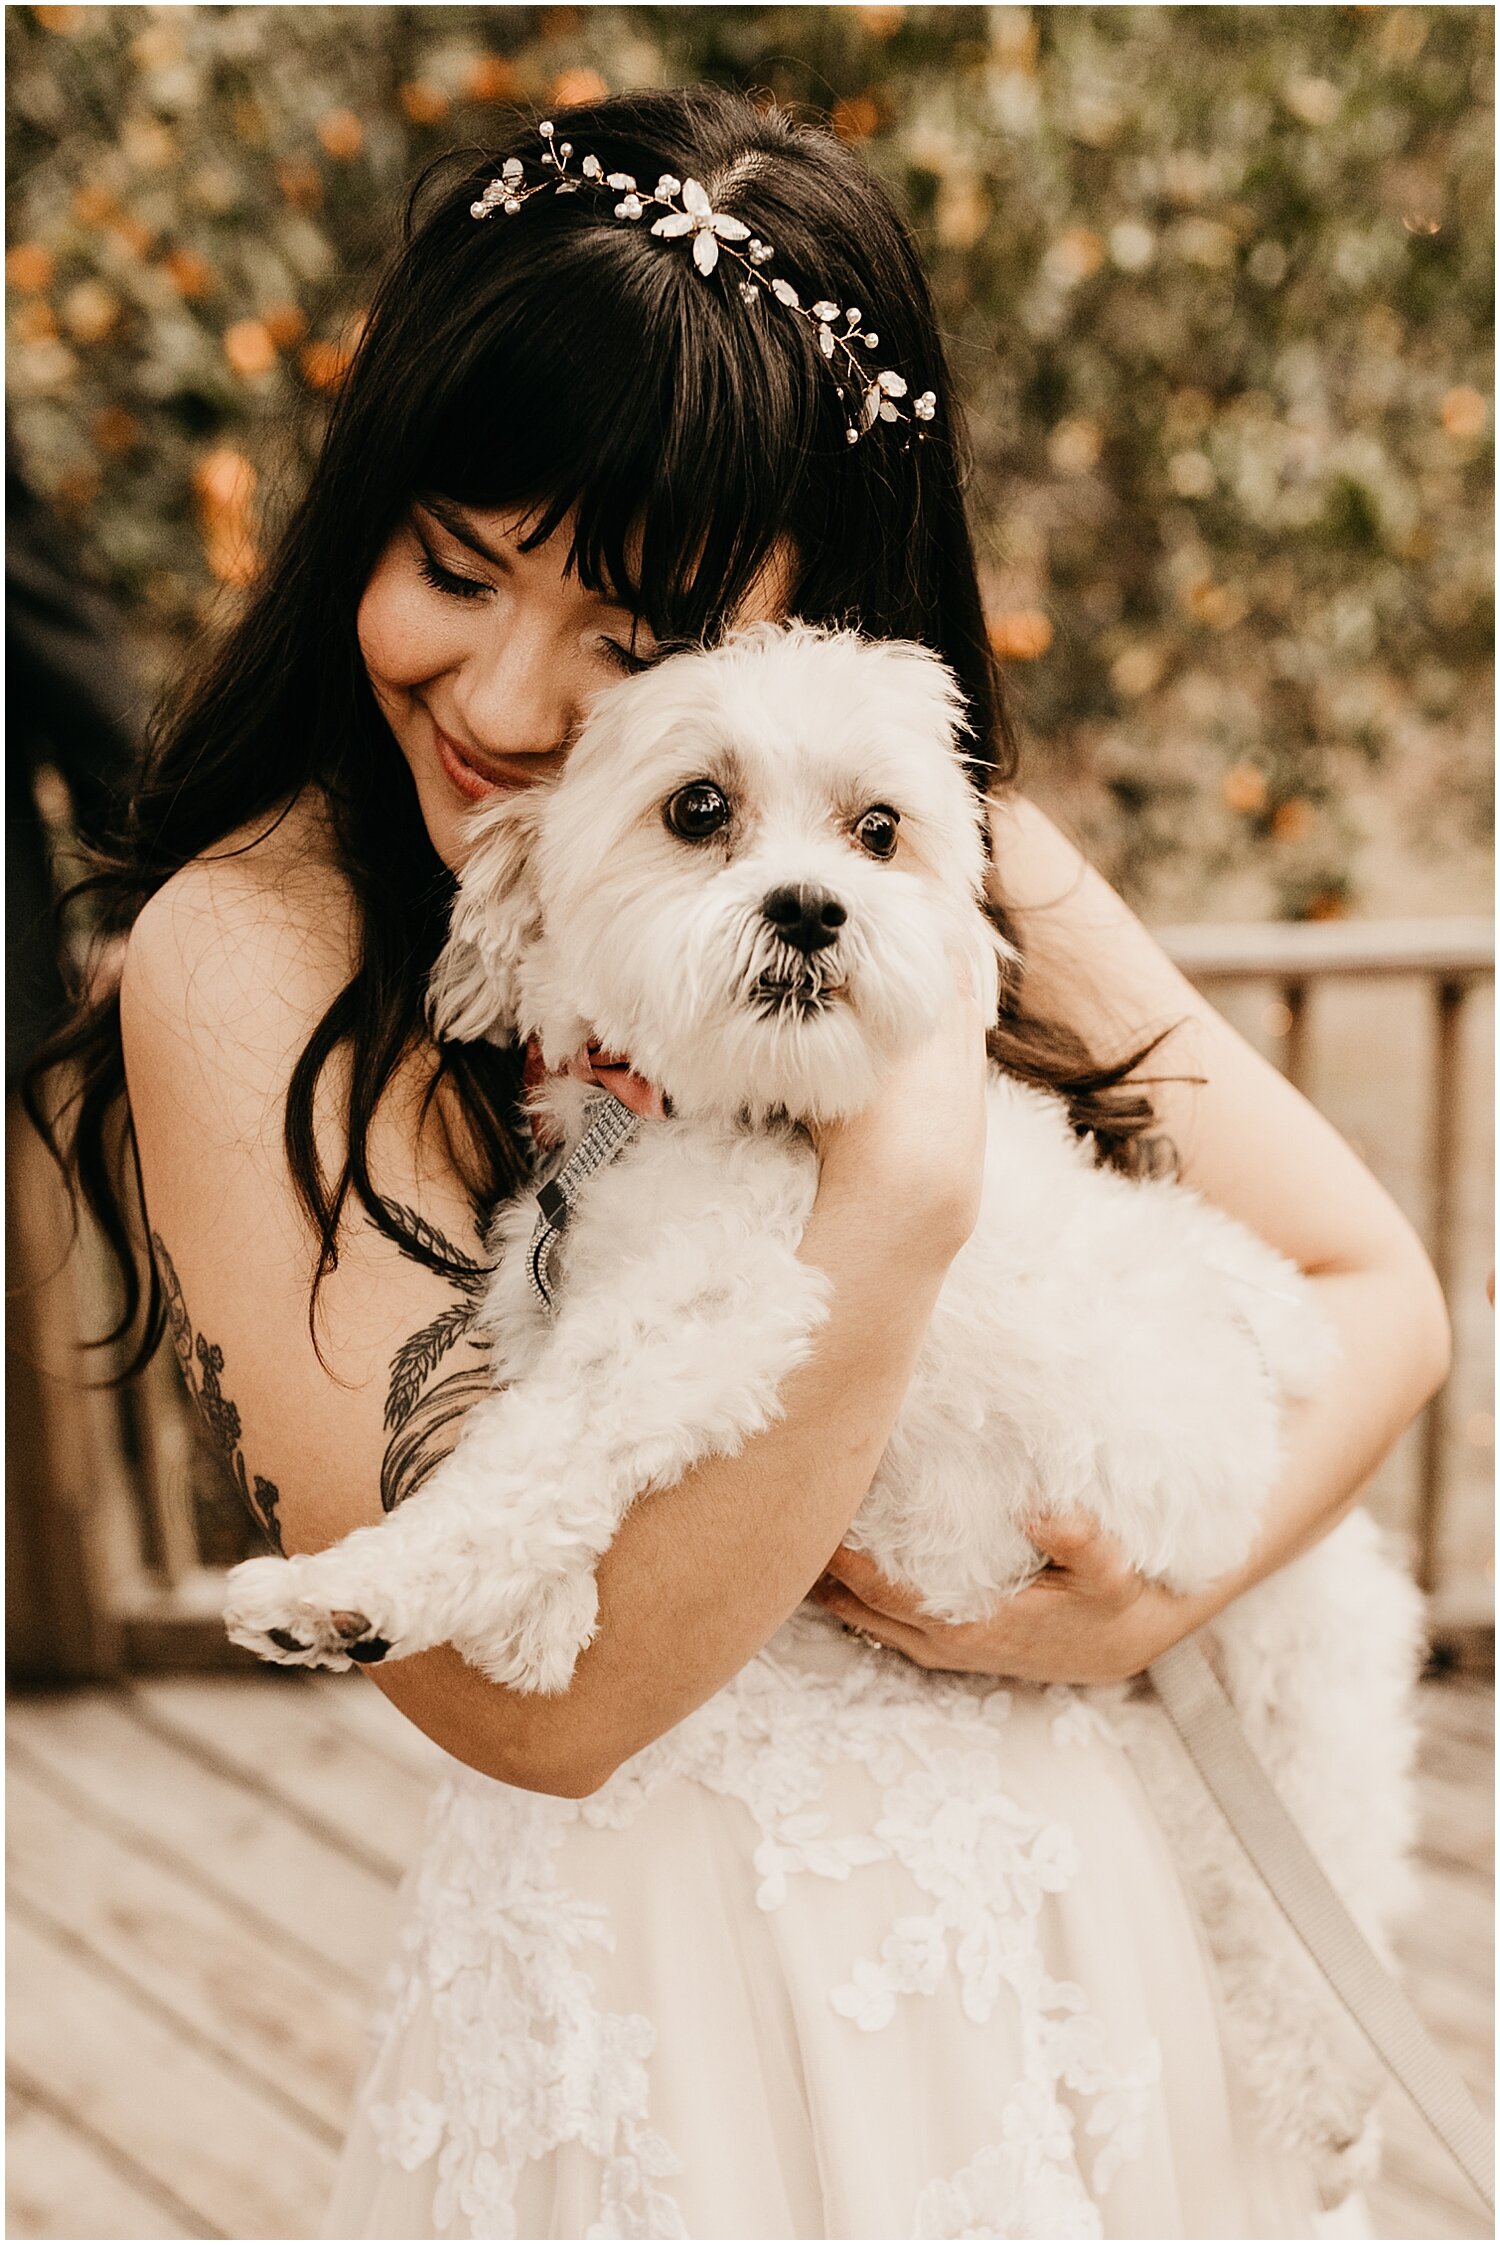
[752, 877]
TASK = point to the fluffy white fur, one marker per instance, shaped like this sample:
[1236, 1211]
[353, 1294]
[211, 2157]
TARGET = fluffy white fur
[1113, 1346]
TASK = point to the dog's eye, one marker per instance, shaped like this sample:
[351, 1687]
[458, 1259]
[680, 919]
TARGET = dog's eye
[876, 831]
[697, 810]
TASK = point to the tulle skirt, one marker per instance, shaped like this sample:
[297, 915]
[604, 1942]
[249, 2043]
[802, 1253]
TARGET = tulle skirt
[855, 1952]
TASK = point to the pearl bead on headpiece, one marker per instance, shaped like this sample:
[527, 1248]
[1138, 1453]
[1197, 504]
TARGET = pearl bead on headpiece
[869, 397]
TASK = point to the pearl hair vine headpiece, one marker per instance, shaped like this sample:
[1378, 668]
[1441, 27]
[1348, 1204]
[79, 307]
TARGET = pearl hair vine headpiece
[869, 397]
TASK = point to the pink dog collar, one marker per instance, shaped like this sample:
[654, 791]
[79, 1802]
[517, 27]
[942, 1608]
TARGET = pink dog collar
[611, 1071]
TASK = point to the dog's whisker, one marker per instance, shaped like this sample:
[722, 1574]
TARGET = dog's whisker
[784, 984]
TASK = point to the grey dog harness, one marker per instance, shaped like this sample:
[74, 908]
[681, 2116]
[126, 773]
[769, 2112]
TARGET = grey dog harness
[1203, 1716]
[609, 1125]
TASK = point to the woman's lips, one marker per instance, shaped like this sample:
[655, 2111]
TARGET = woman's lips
[479, 779]
[469, 778]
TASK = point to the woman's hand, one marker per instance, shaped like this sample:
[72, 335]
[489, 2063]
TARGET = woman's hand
[914, 1158]
[1089, 1618]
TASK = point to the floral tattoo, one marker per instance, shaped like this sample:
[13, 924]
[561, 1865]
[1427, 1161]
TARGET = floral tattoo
[422, 1422]
[201, 1363]
[424, 1426]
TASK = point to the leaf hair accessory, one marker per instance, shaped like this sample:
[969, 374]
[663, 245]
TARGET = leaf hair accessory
[869, 397]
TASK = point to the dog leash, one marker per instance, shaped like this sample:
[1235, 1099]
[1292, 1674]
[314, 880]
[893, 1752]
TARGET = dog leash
[608, 1125]
[1203, 1716]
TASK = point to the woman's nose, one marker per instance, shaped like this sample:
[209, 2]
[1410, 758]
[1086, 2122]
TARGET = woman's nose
[519, 697]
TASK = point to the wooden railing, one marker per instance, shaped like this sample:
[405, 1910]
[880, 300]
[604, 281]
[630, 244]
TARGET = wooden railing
[1450, 957]
[162, 1529]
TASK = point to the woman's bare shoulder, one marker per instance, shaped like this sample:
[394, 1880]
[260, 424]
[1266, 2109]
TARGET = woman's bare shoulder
[274, 888]
[242, 951]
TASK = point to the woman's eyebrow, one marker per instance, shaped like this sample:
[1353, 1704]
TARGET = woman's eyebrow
[457, 524]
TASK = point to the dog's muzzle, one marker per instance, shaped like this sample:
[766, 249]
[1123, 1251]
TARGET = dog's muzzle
[795, 974]
[808, 919]
[800, 997]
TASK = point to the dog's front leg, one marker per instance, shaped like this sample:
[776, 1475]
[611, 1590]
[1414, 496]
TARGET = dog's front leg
[685, 1358]
[391, 1589]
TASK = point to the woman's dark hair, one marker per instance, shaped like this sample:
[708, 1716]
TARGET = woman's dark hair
[570, 363]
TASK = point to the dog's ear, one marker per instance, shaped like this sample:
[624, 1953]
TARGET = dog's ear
[993, 960]
[475, 990]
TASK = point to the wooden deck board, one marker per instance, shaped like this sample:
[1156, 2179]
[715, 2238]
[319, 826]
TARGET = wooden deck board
[244, 2165]
[1449, 1958]
[316, 1764]
[203, 1878]
[289, 1874]
[219, 1979]
[60, 2183]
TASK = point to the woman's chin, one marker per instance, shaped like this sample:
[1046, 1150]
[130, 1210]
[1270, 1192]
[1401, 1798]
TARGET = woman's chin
[447, 814]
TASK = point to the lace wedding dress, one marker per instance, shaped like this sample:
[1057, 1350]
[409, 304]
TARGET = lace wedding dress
[854, 1952]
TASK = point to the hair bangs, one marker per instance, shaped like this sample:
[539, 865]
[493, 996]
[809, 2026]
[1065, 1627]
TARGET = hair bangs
[606, 387]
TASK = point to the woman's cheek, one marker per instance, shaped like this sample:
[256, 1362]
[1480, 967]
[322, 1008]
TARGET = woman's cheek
[401, 639]
[382, 641]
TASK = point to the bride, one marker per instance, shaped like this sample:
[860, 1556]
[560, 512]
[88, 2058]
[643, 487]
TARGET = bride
[797, 1915]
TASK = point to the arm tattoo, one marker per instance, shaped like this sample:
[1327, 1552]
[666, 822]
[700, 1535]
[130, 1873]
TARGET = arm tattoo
[428, 1432]
[424, 1428]
[201, 1363]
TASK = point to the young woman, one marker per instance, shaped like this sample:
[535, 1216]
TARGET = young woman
[758, 1930]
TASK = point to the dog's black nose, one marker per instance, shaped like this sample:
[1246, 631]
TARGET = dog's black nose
[807, 919]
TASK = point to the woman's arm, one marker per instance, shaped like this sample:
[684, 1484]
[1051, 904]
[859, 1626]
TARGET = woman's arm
[227, 970]
[1250, 1143]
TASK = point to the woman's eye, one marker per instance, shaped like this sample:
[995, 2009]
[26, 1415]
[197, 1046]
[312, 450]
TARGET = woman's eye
[876, 831]
[696, 811]
[445, 580]
[625, 658]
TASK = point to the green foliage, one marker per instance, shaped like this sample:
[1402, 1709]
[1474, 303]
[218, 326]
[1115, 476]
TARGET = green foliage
[1216, 283]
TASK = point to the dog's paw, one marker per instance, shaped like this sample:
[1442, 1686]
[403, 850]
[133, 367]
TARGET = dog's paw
[306, 1613]
[538, 1648]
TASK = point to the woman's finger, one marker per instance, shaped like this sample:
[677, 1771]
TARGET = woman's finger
[1062, 1537]
[857, 1571]
[852, 1611]
[1098, 1588]
[1080, 1548]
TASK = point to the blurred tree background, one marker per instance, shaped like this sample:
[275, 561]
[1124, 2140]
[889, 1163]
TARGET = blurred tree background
[1217, 283]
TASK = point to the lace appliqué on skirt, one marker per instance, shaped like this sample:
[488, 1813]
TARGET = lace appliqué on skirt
[527, 2058]
[530, 2061]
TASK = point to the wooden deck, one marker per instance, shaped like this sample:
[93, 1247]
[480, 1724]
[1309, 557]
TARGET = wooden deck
[203, 1879]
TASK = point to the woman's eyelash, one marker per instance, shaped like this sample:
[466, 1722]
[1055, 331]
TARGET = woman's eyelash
[470, 588]
[444, 580]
